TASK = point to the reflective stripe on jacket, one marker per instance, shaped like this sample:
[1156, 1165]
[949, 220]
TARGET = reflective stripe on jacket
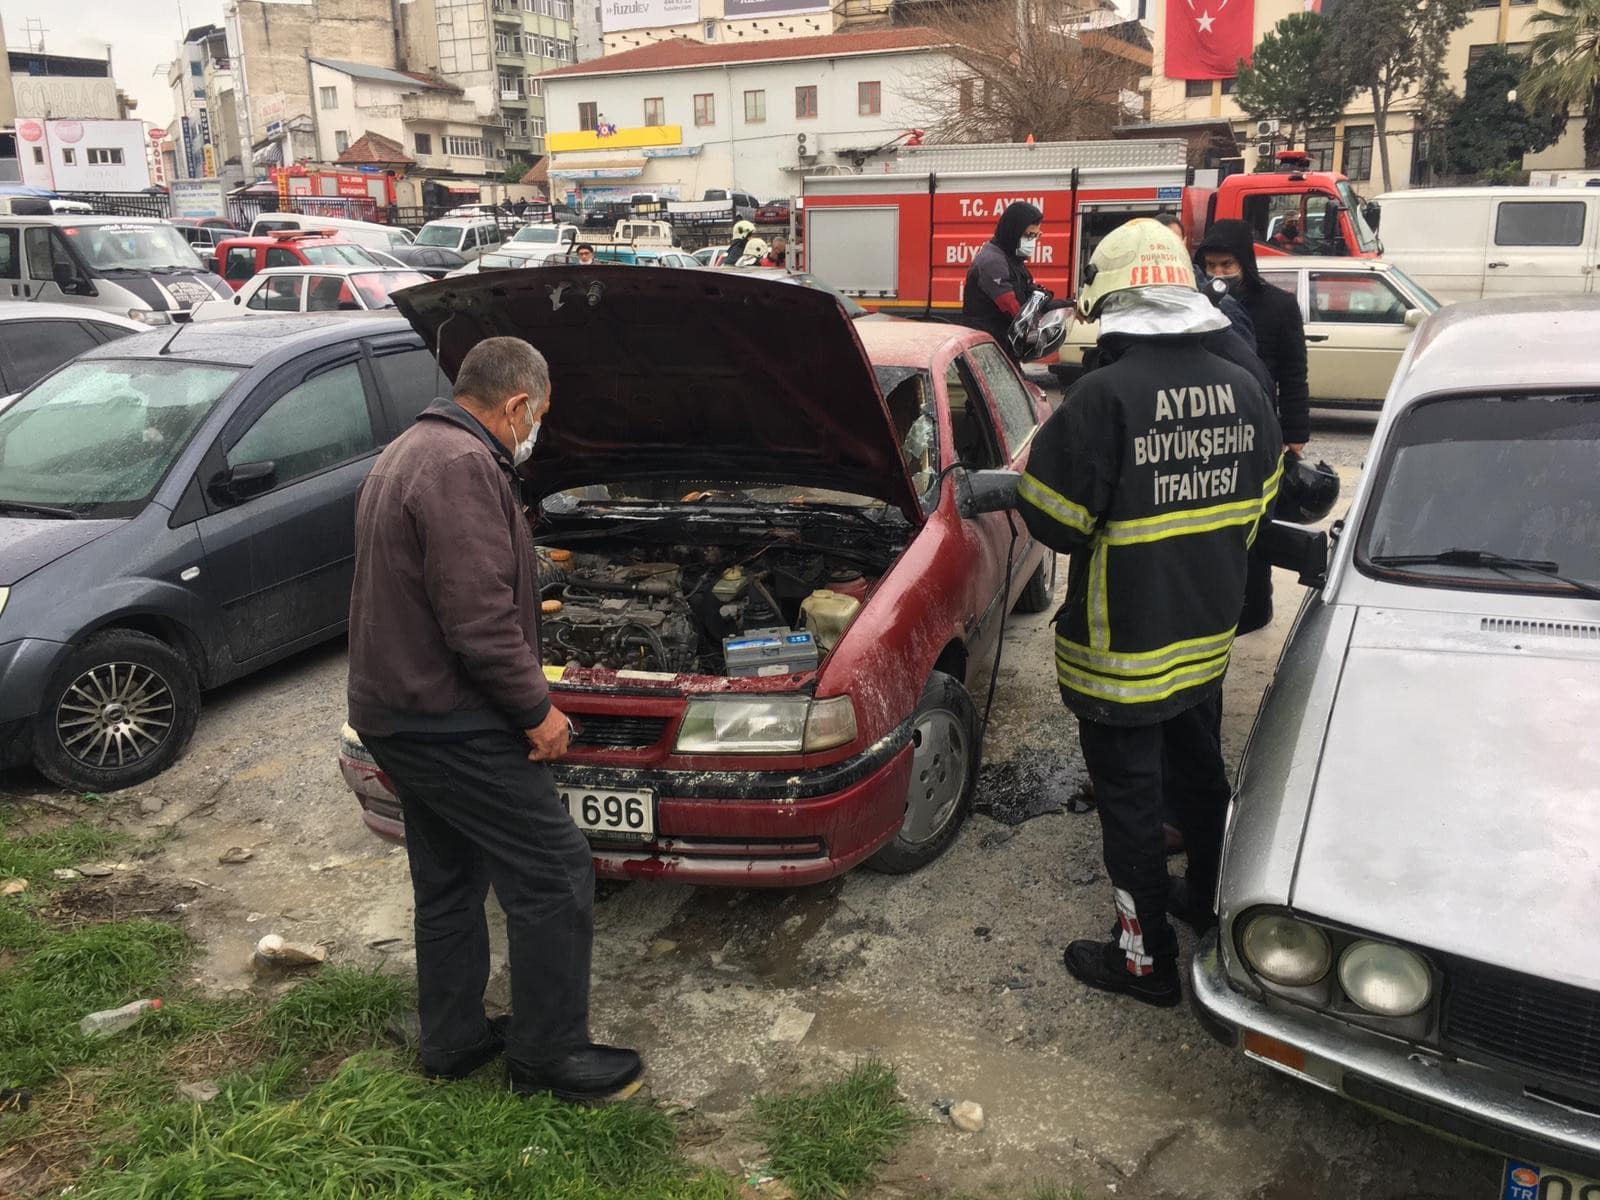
[1154, 474]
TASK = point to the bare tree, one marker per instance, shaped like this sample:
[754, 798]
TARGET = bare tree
[1054, 69]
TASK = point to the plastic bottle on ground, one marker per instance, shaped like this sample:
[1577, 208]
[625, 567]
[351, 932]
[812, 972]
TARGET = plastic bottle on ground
[115, 1020]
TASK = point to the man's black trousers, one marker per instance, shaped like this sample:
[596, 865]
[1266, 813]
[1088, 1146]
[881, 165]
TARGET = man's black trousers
[479, 813]
[1136, 770]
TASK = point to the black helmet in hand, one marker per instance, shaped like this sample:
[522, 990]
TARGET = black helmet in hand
[1306, 493]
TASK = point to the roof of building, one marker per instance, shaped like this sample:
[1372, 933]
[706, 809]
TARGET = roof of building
[384, 75]
[681, 53]
[539, 173]
[376, 149]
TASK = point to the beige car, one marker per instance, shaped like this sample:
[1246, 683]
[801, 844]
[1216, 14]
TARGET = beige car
[1359, 313]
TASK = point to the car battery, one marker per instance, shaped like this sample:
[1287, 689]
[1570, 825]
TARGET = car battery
[769, 652]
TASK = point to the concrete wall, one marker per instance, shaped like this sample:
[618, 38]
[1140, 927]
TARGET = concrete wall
[1509, 23]
[721, 29]
[731, 151]
[62, 161]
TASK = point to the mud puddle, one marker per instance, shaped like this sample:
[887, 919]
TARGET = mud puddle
[760, 934]
[1032, 784]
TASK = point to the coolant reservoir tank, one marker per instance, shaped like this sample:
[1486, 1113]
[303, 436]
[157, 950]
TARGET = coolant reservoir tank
[825, 614]
[731, 586]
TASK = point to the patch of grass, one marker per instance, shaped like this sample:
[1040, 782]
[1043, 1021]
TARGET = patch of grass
[375, 1132]
[334, 1009]
[34, 856]
[827, 1141]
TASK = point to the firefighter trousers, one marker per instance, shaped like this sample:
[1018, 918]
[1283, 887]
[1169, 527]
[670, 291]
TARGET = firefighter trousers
[1137, 771]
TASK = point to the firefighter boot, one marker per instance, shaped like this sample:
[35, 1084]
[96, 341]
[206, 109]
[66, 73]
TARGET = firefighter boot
[1104, 965]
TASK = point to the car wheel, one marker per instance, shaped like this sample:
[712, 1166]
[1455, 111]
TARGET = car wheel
[119, 712]
[944, 771]
[1041, 589]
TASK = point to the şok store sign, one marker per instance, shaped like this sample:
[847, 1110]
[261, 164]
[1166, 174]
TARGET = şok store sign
[617, 15]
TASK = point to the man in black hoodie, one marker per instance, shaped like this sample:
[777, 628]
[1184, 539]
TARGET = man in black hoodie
[1228, 252]
[998, 283]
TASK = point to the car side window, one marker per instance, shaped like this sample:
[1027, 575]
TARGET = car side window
[1012, 401]
[281, 293]
[279, 257]
[411, 381]
[328, 293]
[974, 440]
[37, 242]
[1355, 299]
[469, 240]
[10, 260]
[319, 424]
[1539, 223]
[241, 264]
[1284, 281]
[36, 348]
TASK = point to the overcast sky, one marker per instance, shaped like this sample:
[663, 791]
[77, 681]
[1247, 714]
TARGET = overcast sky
[143, 35]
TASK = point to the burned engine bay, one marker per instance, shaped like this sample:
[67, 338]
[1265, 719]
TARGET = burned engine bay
[707, 594]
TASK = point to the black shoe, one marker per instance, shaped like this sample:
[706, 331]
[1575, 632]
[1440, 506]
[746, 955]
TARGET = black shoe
[1103, 965]
[464, 1062]
[592, 1075]
[1189, 905]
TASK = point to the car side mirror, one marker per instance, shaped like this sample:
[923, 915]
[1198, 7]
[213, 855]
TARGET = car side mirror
[238, 484]
[1298, 549]
[1414, 317]
[979, 492]
[210, 264]
[1372, 211]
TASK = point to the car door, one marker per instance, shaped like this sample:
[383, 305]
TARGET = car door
[30, 350]
[973, 440]
[280, 562]
[1017, 418]
[1356, 332]
[1539, 246]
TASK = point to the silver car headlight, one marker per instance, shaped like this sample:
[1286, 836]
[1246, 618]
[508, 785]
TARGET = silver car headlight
[766, 725]
[150, 317]
[1389, 981]
[1285, 951]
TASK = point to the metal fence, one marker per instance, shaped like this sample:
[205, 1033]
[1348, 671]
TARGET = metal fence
[125, 204]
[243, 210]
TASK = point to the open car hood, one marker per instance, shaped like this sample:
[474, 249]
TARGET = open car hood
[697, 376]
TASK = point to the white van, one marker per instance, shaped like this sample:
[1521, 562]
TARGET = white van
[468, 236]
[1469, 243]
[363, 233]
[135, 266]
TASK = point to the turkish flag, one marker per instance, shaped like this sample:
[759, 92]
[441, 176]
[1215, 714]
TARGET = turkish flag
[1207, 38]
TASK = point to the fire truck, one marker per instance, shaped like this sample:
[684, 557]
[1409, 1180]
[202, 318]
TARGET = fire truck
[902, 241]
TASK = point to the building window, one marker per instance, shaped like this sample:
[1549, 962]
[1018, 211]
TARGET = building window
[536, 127]
[69, 158]
[967, 99]
[1319, 149]
[755, 107]
[1358, 152]
[589, 116]
[510, 86]
[464, 147]
[705, 109]
[328, 97]
[709, 29]
[38, 156]
[533, 87]
[1474, 53]
[1197, 88]
[422, 143]
[106, 158]
[805, 103]
[655, 110]
[196, 69]
[341, 140]
[869, 98]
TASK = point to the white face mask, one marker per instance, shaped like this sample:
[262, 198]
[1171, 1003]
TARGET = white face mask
[1026, 247]
[524, 448]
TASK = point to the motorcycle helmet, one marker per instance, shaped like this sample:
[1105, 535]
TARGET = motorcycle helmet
[1035, 333]
[1306, 493]
[1140, 253]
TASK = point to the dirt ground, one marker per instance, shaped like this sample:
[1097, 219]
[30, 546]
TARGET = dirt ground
[953, 975]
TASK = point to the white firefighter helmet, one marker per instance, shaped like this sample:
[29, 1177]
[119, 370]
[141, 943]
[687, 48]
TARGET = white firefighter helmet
[743, 228]
[1141, 253]
[754, 251]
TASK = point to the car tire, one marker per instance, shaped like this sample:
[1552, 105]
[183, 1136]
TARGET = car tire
[120, 711]
[946, 750]
[1041, 589]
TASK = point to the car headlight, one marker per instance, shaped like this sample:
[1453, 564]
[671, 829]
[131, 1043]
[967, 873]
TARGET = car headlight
[1387, 980]
[150, 317]
[766, 725]
[1285, 951]
[5, 594]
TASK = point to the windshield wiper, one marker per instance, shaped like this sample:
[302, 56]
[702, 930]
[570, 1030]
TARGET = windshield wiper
[39, 510]
[1457, 557]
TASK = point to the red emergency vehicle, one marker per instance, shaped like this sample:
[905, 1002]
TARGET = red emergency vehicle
[902, 241]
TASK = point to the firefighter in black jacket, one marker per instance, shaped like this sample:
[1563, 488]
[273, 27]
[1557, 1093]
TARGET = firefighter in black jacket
[1228, 252]
[1153, 474]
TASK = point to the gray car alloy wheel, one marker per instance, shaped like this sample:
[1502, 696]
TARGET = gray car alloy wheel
[938, 774]
[114, 714]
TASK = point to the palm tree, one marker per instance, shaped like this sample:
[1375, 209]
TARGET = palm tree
[1564, 67]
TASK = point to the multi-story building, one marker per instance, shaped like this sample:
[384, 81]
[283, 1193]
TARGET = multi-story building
[680, 117]
[205, 103]
[1349, 145]
[72, 129]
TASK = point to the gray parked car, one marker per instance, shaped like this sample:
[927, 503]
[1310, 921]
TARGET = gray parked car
[177, 509]
[1410, 898]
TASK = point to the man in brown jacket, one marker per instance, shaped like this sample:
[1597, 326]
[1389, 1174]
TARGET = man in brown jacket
[448, 693]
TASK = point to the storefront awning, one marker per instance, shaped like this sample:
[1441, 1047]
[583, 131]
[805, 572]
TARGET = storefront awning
[270, 155]
[596, 172]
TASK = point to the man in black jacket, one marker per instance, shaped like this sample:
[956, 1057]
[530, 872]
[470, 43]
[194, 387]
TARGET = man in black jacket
[1228, 252]
[1153, 474]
